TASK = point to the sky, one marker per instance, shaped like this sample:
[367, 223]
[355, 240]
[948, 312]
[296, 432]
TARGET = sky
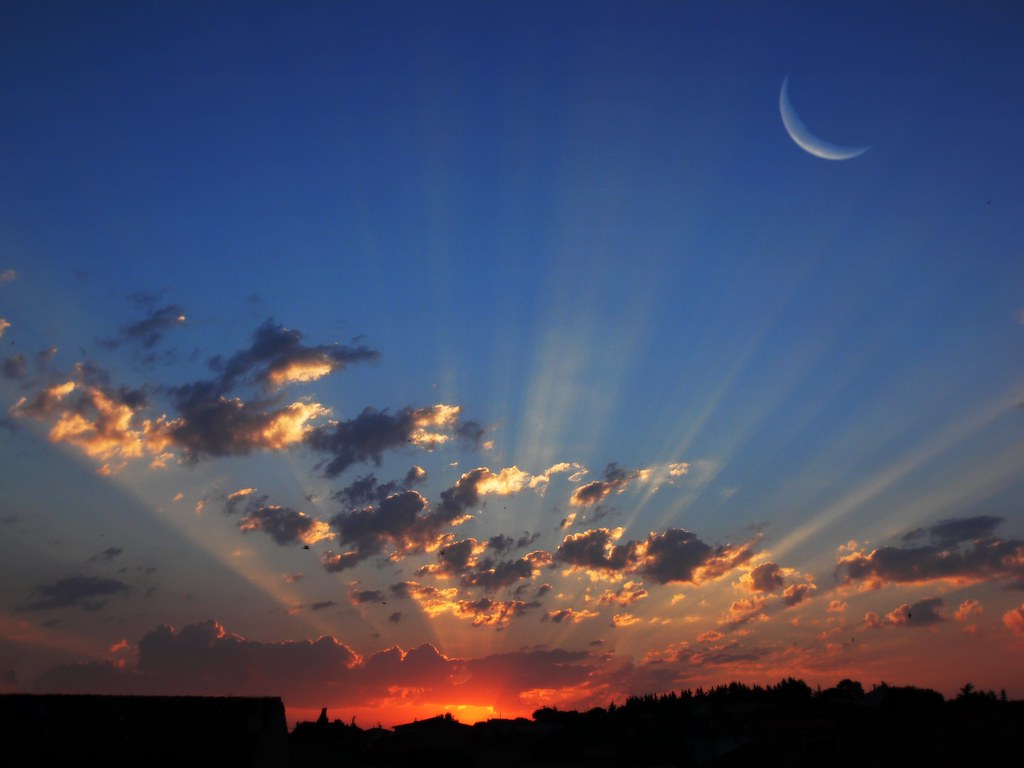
[408, 358]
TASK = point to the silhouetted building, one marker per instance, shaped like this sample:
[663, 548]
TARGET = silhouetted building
[145, 730]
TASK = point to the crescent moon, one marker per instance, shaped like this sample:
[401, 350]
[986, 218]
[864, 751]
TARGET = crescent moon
[806, 140]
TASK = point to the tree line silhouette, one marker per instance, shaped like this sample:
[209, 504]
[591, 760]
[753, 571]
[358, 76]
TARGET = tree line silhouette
[787, 723]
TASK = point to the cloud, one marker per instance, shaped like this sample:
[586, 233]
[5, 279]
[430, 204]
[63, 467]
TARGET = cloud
[502, 544]
[277, 357]
[86, 592]
[494, 575]
[322, 605]
[107, 554]
[753, 608]
[488, 612]
[7, 276]
[148, 331]
[627, 594]
[569, 616]
[484, 611]
[594, 551]
[767, 577]
[1013, 620]
[214, 425]
[711, 636]
[967, 609]
[360, 596]
[963, 552]
[286, 526]
[923, 613]
[103, 422]
[368, 436]
[616, 480]
[214, 420]
[672, 555]
[4, 325]
[367, 489]
[795, 594]
[406, 522]
[403, 521]
[455, 558]
[14, 367]
[953, 531]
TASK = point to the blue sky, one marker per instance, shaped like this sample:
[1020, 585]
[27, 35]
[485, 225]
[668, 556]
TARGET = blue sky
[586, 227]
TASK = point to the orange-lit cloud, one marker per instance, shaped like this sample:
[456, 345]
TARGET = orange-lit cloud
[672, 555]
[569, 615]
[616, 480]
[1013, 620]
[625, 595]
[103, 424]
[967, 609]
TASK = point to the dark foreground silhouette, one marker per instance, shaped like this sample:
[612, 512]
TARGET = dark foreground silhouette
[732, 725]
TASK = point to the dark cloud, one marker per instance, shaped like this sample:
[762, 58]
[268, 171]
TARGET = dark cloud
[454, 559]
[107, 554]
[368, 436]
[615, 480]
[672, 555]
[406, 522]
[360, 596]
[949, 533]
[594, 550]
[207, 659]
[212, 425]
[403, 589]
[277, 357]
[463, 495]
[494, 575]
[503, 544]
[148, 331]
[963, 552]
[322, 605]
[14, 367]
[568, 615]
[496, 613]
[214, 421]
[367, 490]
[766, 577]
[923, 613]
[86, 592]
[286, 526]
[396, 521]
[395, 617]
[795, 594]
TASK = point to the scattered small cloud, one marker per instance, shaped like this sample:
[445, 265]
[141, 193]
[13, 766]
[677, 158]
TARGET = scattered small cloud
[87, 592]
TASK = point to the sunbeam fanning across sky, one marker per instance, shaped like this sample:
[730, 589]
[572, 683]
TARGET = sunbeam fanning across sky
[406, 358]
